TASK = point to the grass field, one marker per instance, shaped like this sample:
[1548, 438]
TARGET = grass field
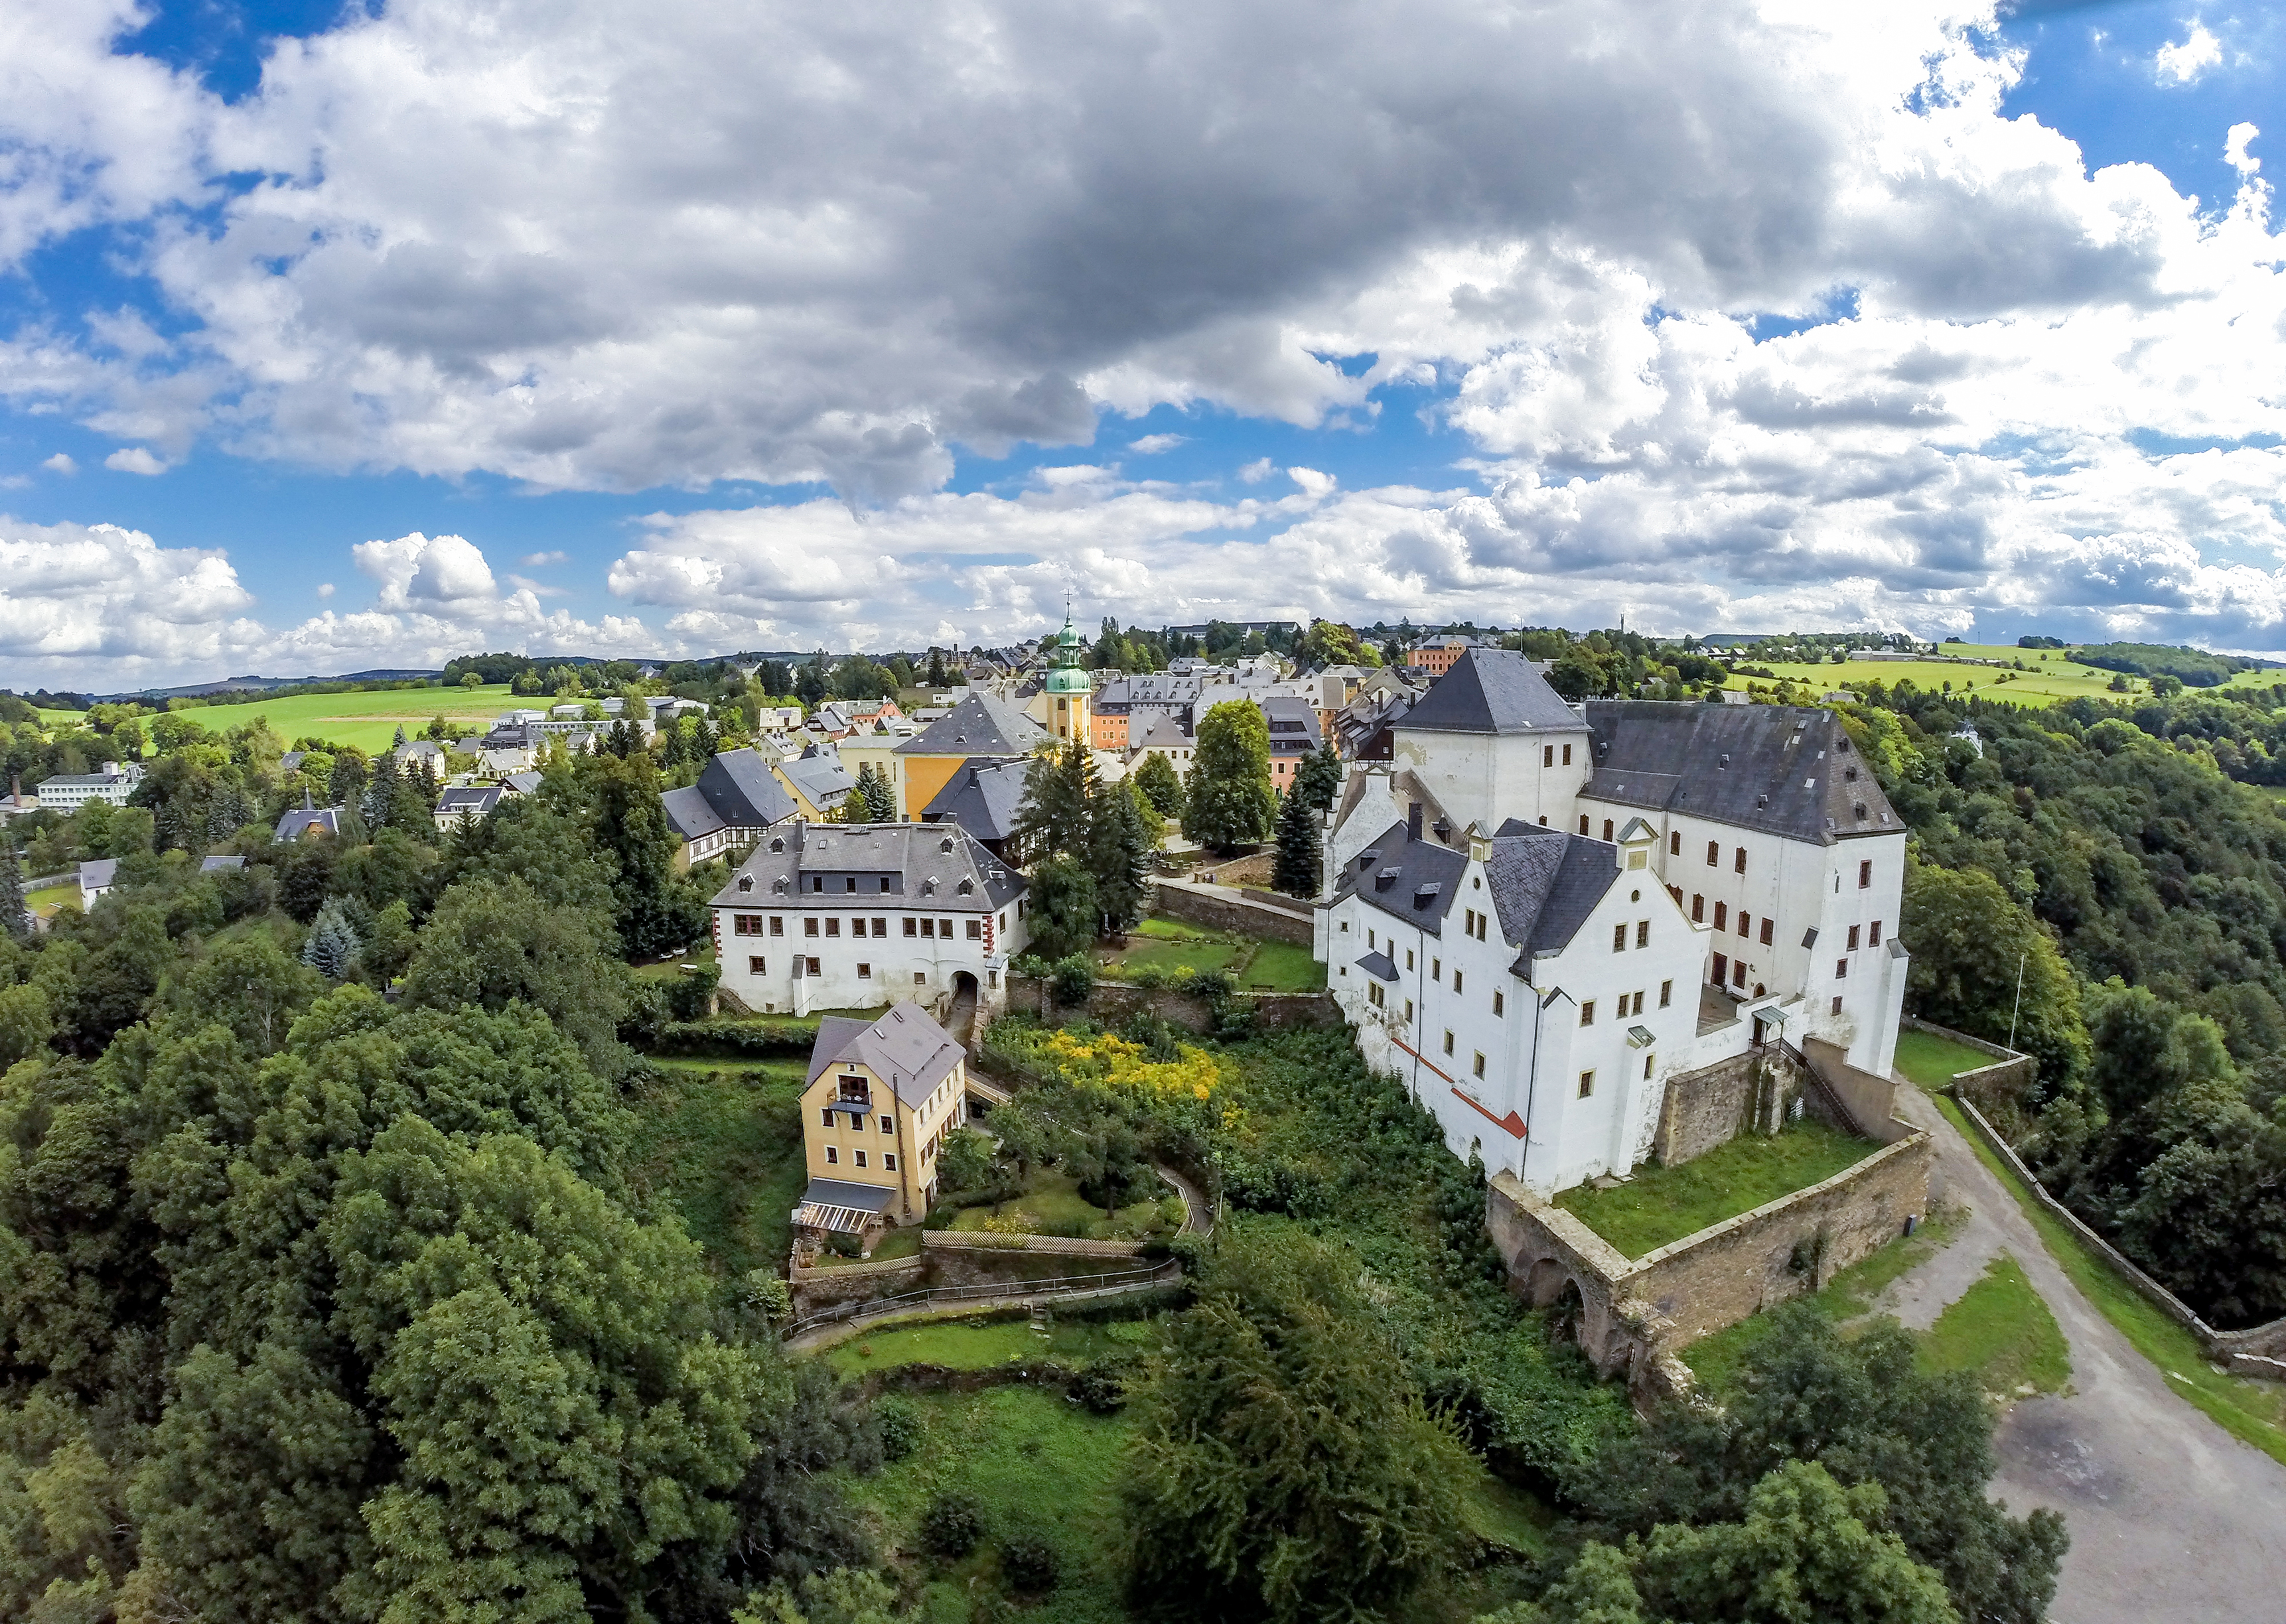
[1934, 1061]
[722, 1142]
[2251, 1411]
[1054, 1206]
[43, 903]
[979, 1344]
[1663, 1204]
[2047, 682]
[369, 720]
[1169, 945]
[2000, 1330]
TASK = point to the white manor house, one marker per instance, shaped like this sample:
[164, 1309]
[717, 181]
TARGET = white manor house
[1541, 914]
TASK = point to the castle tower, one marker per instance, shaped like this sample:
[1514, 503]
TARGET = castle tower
[1069, 690]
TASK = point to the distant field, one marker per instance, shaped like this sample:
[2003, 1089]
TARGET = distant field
[2047, 681]
[369, 720]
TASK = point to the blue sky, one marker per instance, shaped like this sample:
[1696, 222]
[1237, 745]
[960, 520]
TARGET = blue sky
[733, 380]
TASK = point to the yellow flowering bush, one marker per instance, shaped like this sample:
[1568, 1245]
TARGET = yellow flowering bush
[1106, 1060]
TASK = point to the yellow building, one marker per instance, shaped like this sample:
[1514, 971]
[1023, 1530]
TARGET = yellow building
[880, 1100]
[1063, 702]
[979, 726]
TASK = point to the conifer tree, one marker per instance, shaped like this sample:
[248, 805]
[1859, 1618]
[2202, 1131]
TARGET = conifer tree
[1058, 787]
[1295, 868]
[1319, 779]
[13, 920]
[881, 798]
[1120, 847]
[333, 948]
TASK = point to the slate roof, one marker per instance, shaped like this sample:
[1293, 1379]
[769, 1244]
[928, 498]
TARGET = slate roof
[743, 793]
[1380, 966]
[1784, 768]
[1491, 691]
[99, 874]
[467, 801]
[215, 865]
[914, 858]
[904, 1048]
[821, 777]
[687, 815]
[982, 796]
[1545, 883]
[1293, 724]
[1396, 875]
[979, 725]
[298, 821]
[1164, 731]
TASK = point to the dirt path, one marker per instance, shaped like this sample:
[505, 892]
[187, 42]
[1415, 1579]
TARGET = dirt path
[2171, 1517]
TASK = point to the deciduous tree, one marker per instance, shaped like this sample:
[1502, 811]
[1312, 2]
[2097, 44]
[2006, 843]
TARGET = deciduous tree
[1228, 800]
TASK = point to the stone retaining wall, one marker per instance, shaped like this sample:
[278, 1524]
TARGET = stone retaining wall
[1634, 1316]
[971, 1241]
[2000, 1086]
[815, 1289]
[1115, 1003]
[1749, 1092]
[1226, 910]
[2259, 1350]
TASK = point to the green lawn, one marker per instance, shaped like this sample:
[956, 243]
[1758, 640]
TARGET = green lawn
[1040, 1465]
[54, 897]
[1663, 1204]
[1717, 1360]
[1055, 1205]
[2001, 1330]
[1169, 945]
[979, 1344]
[2045, 683]
[1933, 1062]
[2253, 1411]
[369, 720]
[670, 969]
[902, 1242]
[724, 1144]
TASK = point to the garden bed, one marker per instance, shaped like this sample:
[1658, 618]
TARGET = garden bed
[1051, 1204]
[1168, 947]
[1661, 1205]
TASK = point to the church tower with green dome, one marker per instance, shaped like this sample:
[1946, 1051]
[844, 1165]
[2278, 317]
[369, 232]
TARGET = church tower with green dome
[1068, 688]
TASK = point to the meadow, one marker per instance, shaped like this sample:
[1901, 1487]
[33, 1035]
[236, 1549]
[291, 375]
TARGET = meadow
[369, 720]
[2047, 681]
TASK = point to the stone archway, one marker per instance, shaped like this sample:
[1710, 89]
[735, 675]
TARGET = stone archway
[1545, 1281]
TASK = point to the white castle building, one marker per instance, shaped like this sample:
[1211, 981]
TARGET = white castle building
[1540, 914]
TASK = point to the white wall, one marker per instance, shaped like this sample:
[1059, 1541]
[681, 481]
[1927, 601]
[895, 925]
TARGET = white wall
[1489, 778]
[894, 960]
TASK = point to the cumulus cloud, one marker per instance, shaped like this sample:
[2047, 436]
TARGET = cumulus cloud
[2182, 64]
[325, 589]
[60, 463]
[533, 561]
[135, 460]
[1152, 444]
[684, 246]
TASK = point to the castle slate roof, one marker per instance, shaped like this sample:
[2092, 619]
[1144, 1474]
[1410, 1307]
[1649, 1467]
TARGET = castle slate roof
[742, 791]
[983, 796]
[687, 815]
[979, 725]
[1413, 880]
[1545, 883]
[1787, 770]
[904, 1048]
[1491, 691]
[844, 865]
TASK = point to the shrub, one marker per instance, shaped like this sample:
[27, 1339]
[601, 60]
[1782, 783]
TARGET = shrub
[900, 1421]
[1102, 1385]
[844, 1245]
[768, 1295]
[687, 997]
[1072, 979]
[1029, 1563]
[952, 1525]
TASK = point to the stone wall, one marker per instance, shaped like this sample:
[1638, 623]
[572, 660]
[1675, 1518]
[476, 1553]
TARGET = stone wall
[2259, 1350]
[815, 1289]
[970, 1241]
[2000, 1087]
[1115, 1003]
[1752, 1092]
[1633, 1316]
[1229, 910]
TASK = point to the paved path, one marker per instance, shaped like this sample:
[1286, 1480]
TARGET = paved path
[2171, 1517]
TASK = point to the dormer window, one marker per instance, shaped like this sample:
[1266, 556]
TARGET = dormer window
[945, 845]
[928, 888]
[779, 886]
[967, 887]
[745, 882]
[778, 845]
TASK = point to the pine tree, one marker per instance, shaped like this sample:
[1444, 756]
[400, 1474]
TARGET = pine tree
[1319, 780]
[1120, 849]
[13, 920]
[1295, 868]
[1053, 821]
[333, 947]
[380, 799]
[936, 668]
[881, 798]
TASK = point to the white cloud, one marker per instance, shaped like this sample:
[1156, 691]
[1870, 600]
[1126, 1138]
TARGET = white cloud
[1152, 444]
[1315, 484]
[135, 460]
[2184, 63]
[1258, 470]
[533, 561]
[61, 463]
[447, 573]
[325, 589]
[2234, 153]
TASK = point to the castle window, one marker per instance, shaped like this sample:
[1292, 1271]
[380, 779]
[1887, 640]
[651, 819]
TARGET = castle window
[1567, 755]
[809, 928]
[1587, 1083]
[911, 928]
[1853, 938]
[833, 925]
[1587, 1013]
[1665, 993]
[1643, 932]
[1873, 941]
[1547, 755]
[1722, 916]
[976, 930]
[1745, 921]
[1448, 1040]
[1713, 853]
[1840, 968]
[864, 972]
[756, 965]
[1739, 863]
[1675, 844]
[849, 884]
[777, 925]
[1647, 1061]
[1837, 1006]
[1721, 969]
[1865, 875]
[1583, 822]
[1619, 938]
[1607, 828]
[1699, 910]
[1738, 974]
[1499, 1004]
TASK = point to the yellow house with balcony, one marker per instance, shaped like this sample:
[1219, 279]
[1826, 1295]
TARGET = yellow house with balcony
[880, 1099]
